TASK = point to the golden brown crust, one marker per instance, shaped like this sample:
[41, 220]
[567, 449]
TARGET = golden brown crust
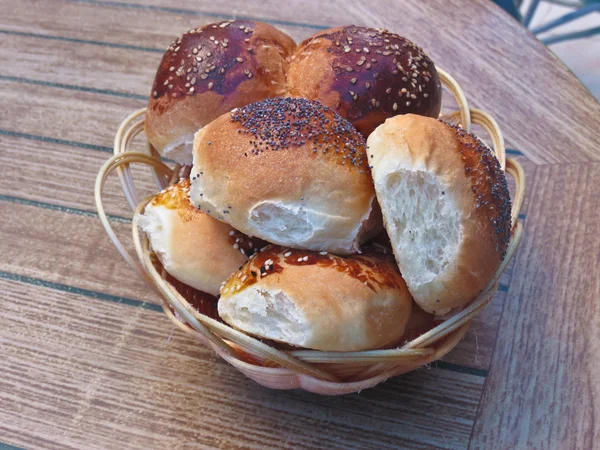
[348, 303]
[286, 152]
[374, 268]
[366, 75]
[472, 179]
[192, 246]
[211, 70]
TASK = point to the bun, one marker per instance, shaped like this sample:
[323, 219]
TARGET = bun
[318, 300]
[365, 75]
[193, 247]
[209, 71]
[446, 208]
[289, 171]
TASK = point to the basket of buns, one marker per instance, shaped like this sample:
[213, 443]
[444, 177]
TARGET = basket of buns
[317, 221]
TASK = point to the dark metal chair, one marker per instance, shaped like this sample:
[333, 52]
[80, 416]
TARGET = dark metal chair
[582, 8]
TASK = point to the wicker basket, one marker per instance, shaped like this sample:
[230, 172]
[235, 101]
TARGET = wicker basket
[329, 373]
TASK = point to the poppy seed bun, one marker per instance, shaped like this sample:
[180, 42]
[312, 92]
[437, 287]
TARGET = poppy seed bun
[193, 247]
[318, 300]
[209, 71]
[446, 208]
[289, 171]
[365, 75]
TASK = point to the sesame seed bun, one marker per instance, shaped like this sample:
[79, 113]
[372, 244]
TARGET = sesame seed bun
[365, 75]
[209, 71]
[193, 247]
[451, 229]
[318, 300]
[290, 171]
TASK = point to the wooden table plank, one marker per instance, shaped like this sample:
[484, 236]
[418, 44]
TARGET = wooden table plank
[113, 24]
[82, 257]
[81, 117]
[543, 389]
[70, 85]
[497, 62]
[497, 65]
[68, 249]
[69, 170]
[117, 71]
[116, 377]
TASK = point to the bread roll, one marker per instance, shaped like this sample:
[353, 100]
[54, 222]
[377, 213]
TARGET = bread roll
[209, 71]
[446, 208]
[289, 171]
[318, 300]
[365, 75]
[192, 246]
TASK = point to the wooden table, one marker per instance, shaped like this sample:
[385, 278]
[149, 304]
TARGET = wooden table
[88, 361]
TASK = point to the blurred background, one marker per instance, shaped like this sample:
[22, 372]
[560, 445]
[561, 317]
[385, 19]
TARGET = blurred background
[570, 28]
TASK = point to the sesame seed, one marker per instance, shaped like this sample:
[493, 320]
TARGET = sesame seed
[232, 233]
[388, 91]
[395, 106]
[322, 253]
[305, 258]
[407, 103]
[299, 260]
[171, 68]
[236, 245]
[353, 81]
[286, 254]
[239, 59]
[210, 85]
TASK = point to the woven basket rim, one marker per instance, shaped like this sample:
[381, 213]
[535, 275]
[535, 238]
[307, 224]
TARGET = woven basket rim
[348, 371]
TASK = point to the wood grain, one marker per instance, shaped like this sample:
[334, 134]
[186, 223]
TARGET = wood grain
[81, 371]
[544, 377]
[72, 263]
[448, 34]
[118, 377]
